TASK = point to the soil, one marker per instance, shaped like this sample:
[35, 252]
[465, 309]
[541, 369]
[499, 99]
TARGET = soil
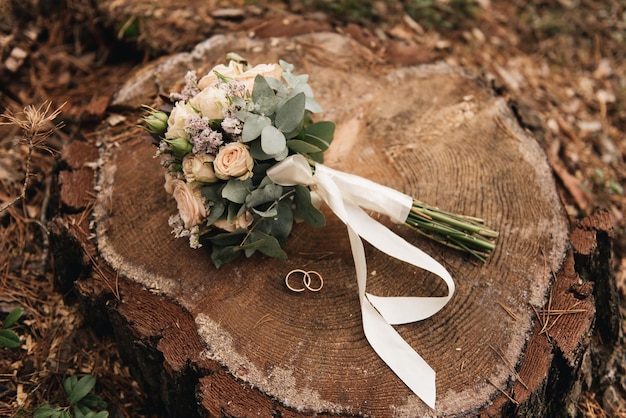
[560, 64]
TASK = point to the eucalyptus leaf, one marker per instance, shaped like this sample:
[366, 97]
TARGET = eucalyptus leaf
[263, 96]
[320, 134]
[212, 192]
[277, 86]
[309, 213]
[224, 239]
[318, 157]
[236, 190]
[281, 225]
[257, 152]
[216, 212]
[81, 389]
[270, 193]
[302, 147]
[270, 213]
[269, 245]
[282, 155]
[272, 140]
[312, 105]
[289, 116]
[253, 125]
[287, 67]
[233, 209]
[222, 255]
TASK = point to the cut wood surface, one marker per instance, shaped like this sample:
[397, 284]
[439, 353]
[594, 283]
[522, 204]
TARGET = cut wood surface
[431, 131]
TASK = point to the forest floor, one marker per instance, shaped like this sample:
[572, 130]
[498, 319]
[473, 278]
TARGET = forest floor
[561, 65]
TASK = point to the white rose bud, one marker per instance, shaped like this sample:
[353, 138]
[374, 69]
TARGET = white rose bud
[240, 222]
[211, 102]
[199, 168]
[190, 203]
[177, 120]
[233, 160]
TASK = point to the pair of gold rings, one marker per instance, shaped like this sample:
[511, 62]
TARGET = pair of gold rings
[308, 277]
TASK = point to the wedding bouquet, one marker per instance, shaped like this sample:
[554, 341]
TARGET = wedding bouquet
[219, 137]
[244, 161]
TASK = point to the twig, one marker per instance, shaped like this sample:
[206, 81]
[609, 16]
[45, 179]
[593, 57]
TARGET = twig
[517, 376]
[508, 310]
[503, 392]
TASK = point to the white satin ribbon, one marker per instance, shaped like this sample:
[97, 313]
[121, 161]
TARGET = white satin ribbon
[347, 195]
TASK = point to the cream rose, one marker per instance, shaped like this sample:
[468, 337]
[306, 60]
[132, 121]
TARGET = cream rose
[169, 183]
[237, 71]
[177, 120]
[190, 203]
[211, 102]
[199, 168]
[233, 160]
[240, 222]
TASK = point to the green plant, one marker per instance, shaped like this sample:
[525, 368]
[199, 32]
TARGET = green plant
[438, 14]
[9, 338]
[81, 402]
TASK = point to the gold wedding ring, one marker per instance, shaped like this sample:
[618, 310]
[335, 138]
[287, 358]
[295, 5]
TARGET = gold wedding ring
[307, 278]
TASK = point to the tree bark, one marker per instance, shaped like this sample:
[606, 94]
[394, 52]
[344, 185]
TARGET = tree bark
[236, 342]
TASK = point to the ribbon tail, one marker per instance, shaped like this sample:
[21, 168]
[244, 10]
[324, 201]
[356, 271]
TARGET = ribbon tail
[399, 356]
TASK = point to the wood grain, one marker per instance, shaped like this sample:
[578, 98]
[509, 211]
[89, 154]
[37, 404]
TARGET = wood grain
[430, 131]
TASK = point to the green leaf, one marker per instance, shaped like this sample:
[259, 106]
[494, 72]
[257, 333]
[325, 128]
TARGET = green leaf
[102, 414]
[263, 96]
[236, 190]
[302, 147]
[261, 195]
[68, 384]
[13, 316]
[287, 67]
[253, 125]
[277, 86]
[223, 255]
[309, 213]
[270, 213]
[320, 134]
[216, 212]
[93, 401]
[233, 209]
[290, 115]
[224, 239]
[268, 245]
[81, 389]
[9, 339]
[272, 140]
[45, 411]
[81, 410]
[318, 157]
[65, 414]
[281, 225]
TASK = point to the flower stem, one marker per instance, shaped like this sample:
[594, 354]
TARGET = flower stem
[463, 233]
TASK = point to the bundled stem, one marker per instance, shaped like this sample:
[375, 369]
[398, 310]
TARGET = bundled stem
[463, 233]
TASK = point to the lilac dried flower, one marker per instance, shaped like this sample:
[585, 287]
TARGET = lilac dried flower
[191, 88]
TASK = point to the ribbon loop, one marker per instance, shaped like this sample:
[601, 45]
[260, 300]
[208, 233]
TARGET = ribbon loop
[347, 195]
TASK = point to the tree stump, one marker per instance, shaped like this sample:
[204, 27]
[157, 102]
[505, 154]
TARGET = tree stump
[237, 342]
